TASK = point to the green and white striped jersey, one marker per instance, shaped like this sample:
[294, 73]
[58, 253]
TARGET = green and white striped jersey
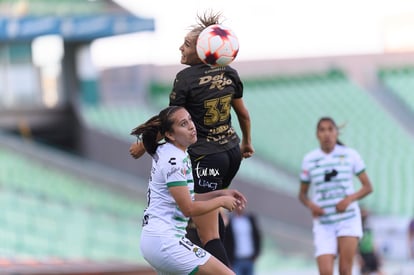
[331, 179]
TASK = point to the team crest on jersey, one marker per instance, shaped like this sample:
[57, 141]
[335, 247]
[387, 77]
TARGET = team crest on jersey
[199, 252]
[187, 166]
[184, 171]
[342, 159]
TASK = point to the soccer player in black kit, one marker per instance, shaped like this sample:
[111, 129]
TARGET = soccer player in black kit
[209, 94]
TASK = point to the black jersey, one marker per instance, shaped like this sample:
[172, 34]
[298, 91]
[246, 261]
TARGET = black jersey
[207, 94]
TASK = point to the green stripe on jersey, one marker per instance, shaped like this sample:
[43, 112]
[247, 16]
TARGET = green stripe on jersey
[338, 220]
[176, 183]
[342, 156]
[195, 270]
[360, 172]
[329, 182]
[182, 228]
[336, 213]
[331, 188]
[333, 164]
[180, 219]
[332, 197]
[316, 160]
[327, 206]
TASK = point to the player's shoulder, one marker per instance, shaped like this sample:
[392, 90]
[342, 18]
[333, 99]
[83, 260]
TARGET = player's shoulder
[232, 70]
[312, 154]
[345, 149]
[191, 70]
[203, 69]
[168, 153]
[184, 71]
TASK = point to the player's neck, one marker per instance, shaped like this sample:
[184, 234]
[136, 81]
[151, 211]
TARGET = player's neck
[327, 149]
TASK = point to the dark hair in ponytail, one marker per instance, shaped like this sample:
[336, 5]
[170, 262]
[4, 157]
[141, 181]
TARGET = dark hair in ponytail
[157, 125]
[322, 119]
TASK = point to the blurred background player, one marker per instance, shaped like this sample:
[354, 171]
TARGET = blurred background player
[337, 224]
[369, 258]
[209, 94]
[243, 241]
[171, 199]
[411, 239]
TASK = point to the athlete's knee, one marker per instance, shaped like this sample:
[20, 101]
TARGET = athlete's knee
[325, 271]
[345, 269]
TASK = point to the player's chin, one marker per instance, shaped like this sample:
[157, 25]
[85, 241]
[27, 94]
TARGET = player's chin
[183, 60]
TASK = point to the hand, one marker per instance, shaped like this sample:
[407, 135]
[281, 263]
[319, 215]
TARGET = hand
[230, 203]
[246, 150]
[136, 150]
[238, 195]
[316, 210]
[343, 204]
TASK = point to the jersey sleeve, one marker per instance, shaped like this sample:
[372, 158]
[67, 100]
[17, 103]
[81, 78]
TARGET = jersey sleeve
[179, 92]
[238, 84]
[358, 163]
[304, 173]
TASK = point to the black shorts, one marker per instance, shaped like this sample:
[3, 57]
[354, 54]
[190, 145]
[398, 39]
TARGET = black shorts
[215, 171]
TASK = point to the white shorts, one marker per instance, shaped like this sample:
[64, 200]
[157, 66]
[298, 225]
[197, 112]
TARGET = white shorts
[171, 255]
[325, 235]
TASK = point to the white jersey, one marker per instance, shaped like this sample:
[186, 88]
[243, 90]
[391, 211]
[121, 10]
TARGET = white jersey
[331, 179]
[170, 167]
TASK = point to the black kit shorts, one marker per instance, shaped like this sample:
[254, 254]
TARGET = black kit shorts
[215, 171]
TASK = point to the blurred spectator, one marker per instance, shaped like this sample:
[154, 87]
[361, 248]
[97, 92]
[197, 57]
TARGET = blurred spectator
[411, 239]
[369, 258]
[242, 241]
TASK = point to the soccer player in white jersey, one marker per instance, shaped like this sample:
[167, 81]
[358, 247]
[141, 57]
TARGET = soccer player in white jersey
[328, 172]
[171, 199]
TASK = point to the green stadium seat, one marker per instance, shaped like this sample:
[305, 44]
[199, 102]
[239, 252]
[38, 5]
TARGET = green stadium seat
[53, 214]
[400, 82]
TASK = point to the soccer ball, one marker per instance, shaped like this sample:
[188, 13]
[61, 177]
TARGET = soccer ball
[217, 46]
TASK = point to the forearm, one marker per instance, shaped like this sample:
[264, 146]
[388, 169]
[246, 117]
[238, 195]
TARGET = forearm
[303, 198]
[361, 193]
[364, 190]
[243, 117]
[203, 207]
[209, 195]
[245, 126]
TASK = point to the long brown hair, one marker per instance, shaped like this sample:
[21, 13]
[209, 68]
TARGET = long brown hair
[157, 125]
